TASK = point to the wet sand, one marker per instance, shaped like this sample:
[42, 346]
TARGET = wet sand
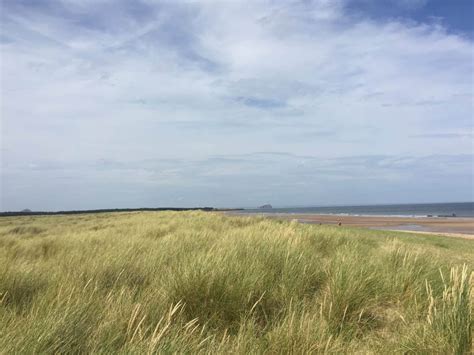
[450, 226]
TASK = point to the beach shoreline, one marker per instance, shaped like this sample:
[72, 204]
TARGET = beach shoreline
[462, 227]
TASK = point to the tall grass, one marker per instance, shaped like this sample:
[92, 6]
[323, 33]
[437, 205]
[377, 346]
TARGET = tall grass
[154, 282]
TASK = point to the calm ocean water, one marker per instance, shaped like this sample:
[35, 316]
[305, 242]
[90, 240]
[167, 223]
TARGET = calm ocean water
[459, 209]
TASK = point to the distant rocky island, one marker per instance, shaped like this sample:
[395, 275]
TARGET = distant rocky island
[267, 206]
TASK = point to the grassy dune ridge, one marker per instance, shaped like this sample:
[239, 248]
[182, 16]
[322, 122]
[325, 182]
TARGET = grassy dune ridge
[197, 281]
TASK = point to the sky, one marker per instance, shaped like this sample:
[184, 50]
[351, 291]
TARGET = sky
[124, 104]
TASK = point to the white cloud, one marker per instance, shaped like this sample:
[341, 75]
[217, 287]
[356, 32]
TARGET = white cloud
[83, 81]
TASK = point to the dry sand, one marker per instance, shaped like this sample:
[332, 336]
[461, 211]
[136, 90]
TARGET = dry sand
[452, 227]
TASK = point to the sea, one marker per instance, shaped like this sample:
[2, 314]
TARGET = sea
[452, 209]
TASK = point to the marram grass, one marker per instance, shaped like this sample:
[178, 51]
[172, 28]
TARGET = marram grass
[188, 282]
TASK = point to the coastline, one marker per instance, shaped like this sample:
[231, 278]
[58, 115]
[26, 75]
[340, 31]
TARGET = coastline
[460, 227]
[451, 235]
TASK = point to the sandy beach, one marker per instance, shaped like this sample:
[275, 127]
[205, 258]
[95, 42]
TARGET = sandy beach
[452, 227]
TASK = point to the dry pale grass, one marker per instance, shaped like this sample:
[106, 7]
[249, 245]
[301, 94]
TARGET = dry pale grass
[203, 282]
